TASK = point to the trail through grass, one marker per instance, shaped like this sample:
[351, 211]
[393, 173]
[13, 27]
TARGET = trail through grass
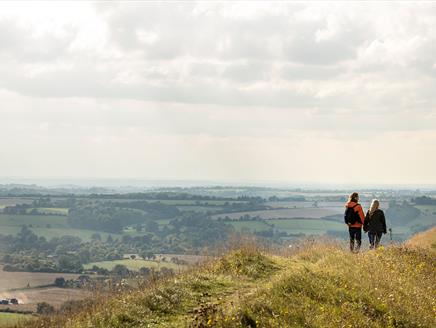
[317, 286]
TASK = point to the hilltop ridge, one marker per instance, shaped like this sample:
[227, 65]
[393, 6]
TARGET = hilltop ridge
[317, 285]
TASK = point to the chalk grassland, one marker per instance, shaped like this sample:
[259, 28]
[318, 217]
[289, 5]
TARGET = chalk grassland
[314, 213]
[15, 280]
[8, 319]
[426, 240]
[135, 265]
[318, 285]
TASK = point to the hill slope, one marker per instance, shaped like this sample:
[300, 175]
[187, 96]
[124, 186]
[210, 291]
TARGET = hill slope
[426, 240]
[318, 286]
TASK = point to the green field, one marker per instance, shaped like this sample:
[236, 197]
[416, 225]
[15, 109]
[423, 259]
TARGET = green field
[252, 226]
[37, 221]
[134, 265]
[52, 210]
[47, 226]
[307, 225]
[293, 226]
[181, 202]
[285, 213]
[202, 209]
[7, 319]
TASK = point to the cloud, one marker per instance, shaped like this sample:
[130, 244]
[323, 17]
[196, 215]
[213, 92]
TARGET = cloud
[223, 79]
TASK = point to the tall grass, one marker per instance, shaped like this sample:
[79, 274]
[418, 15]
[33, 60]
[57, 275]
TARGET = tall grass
[312, 285]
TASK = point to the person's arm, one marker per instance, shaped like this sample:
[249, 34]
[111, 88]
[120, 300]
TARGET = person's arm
[383, 221]
[365, 223]
[361, 214]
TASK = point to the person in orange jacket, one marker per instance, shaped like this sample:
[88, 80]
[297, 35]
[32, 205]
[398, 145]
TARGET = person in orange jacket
[354, 217]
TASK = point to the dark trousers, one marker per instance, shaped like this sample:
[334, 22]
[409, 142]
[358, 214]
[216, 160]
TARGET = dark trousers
[374, 239]
[355, 238]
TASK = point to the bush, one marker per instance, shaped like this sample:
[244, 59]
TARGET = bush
[44, 308]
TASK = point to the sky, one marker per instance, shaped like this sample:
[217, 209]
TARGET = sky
[237, 91]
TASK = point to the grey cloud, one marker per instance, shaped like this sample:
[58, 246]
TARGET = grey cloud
[247, 72]
[17, 42]
[310, 72]
[77, 83]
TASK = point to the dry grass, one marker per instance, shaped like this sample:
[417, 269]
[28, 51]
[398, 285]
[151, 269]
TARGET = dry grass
[318, 285]
[426, 240]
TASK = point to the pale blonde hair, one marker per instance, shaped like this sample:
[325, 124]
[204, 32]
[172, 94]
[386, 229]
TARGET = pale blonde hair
[375, 204]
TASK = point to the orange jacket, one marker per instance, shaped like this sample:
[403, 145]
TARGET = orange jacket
[358, 209]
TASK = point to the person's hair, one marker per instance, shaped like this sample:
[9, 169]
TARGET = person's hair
[375, 204]
[353, 197]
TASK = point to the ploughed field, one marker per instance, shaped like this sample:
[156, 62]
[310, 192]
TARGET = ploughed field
[20, 280]
[29, 298]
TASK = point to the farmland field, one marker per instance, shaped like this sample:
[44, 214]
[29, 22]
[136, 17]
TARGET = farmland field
[307, 226]
[9, 201]
[315, 213]
[15, 280]
[7, 319]
[49, 233]
[193, 208]
[252, 226]
[133, 265]
[293, 226]
[28, 298]
[37, 221]
[180, 202]
[52, 210]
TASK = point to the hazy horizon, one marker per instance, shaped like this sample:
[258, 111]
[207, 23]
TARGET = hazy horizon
[168, 183]
[289, 93]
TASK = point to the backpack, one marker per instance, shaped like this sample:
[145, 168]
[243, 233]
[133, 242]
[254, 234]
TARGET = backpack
[351, 216]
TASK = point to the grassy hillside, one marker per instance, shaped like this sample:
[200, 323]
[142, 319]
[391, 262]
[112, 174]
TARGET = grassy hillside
[426, 240]
[318, 285]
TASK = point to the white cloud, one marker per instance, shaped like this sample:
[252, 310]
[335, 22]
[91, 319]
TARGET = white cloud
[247, 85]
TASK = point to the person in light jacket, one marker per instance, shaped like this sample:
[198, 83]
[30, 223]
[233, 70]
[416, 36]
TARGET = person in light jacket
[375, 224]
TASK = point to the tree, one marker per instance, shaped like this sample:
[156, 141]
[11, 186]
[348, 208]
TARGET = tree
[70, 264]
[144, 271]
[96, 237]
[44, 308]
[120, 270]
[60, 282]
[109, 239]
[7, 258]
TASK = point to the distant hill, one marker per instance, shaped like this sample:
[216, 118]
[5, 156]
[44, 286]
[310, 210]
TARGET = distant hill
[315, 285]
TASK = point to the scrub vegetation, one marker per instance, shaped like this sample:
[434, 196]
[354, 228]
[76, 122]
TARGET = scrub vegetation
[318, 284]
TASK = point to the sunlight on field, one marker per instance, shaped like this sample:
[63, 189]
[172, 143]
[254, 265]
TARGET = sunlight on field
[7, 319]
[134, 265]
